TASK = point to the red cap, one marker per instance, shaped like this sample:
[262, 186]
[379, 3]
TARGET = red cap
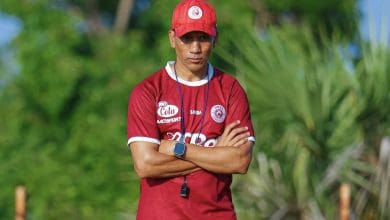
[194, 15]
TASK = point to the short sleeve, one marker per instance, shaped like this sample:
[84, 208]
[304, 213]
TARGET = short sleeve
[141, 116]
[238, 108]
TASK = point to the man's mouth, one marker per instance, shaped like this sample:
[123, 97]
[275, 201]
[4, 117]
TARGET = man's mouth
[195, 60]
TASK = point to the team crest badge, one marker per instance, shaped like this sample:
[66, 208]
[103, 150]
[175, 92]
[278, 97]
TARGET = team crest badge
[218, 113]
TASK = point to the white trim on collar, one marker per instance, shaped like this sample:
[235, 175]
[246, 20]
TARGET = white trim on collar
[201, 82]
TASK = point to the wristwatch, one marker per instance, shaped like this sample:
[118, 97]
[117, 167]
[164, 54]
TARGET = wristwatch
[179, 150]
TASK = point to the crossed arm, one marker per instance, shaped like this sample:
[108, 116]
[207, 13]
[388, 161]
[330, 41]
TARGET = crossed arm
[232, 154]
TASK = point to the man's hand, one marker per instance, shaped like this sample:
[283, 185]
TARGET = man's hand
[233, 135]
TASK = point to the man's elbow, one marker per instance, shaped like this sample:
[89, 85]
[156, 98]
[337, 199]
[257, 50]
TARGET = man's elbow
[243, 166]
[140, 170]
[244, 160]
[143, 168]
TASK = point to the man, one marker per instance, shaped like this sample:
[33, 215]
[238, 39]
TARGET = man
[189, 126]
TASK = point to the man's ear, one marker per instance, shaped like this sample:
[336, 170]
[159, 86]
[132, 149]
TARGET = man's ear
[171, 36]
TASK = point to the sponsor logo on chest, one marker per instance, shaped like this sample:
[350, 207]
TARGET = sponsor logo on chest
[167, 111]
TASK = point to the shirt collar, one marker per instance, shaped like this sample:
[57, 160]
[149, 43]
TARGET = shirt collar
[171, 73]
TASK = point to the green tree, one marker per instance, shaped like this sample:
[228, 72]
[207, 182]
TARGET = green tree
[310, 104]
[64, 130]
[334, 16]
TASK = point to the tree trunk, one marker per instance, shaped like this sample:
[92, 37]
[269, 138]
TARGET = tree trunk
[345, 193]
[93, 17]
[263, 18]
[123, 14]
[20, 203]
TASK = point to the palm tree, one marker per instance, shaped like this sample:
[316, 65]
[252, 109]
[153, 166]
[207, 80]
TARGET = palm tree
[318, 113]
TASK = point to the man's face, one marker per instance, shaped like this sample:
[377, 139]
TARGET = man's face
[192, 50]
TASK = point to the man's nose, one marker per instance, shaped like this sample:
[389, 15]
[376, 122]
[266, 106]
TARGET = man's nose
[195, 46]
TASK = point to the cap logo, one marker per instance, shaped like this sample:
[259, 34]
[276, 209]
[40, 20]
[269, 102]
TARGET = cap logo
[195, 12]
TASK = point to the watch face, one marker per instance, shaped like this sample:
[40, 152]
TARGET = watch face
[179, 150]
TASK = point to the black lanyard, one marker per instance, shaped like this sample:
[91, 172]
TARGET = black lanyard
[184, 190]
[182, 121]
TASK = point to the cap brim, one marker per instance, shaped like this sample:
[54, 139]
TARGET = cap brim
[184, 29]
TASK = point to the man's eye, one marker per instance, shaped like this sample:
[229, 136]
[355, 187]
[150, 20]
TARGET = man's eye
[205, 38]
[186, 39]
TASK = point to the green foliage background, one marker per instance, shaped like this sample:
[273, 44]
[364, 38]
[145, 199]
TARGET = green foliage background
[63, 115]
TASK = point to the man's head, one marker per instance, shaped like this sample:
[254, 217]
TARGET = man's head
[194, 15]
[193, 35]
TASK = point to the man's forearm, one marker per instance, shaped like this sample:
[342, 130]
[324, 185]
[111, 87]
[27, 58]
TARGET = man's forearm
[227, 159]
[221, 159]
[232, 153]
[148, 162]
[169, 167]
